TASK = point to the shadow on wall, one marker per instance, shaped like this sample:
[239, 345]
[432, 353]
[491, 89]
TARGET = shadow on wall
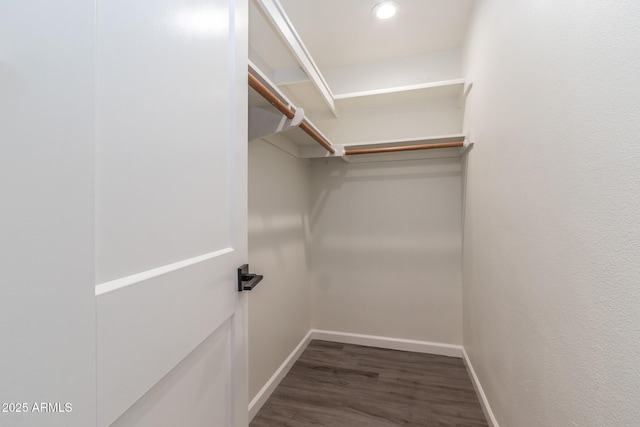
[383, 207]
[464, 165]
[336, 174]
[274, 233]
[278, 214]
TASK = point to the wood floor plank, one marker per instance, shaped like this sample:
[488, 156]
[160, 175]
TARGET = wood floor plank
[344, 385]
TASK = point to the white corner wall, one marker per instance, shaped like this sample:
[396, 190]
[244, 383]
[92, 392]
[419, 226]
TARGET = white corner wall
[551, 254]
[386, 248]
[279, 314]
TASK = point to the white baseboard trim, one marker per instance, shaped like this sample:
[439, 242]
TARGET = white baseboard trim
[486, 408]
[390, 343]
[264, 393]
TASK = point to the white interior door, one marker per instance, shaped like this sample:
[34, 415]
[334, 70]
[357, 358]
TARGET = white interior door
[171, 212]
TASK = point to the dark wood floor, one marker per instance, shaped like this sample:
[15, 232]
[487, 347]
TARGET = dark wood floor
[347, 385]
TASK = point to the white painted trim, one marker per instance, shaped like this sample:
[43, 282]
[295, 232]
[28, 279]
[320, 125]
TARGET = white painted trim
[403, 156]
[397, 89]
[390, 343]
[415, 140]
[465, 94]
[264, 393]
[276, 14]
[484, 402]
[113, 285]
[467, 147]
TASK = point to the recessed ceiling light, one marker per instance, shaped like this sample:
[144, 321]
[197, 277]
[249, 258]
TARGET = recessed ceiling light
[385, 10]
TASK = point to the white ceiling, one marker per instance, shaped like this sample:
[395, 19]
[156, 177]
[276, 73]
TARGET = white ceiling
[340, 33]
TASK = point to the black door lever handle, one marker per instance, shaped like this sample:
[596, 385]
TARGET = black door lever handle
[246, 280]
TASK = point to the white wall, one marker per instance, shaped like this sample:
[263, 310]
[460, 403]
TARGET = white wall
[385, 245]
[406, 71]
[47, 300]
[279, 314]
[370, 120]
[552, 226]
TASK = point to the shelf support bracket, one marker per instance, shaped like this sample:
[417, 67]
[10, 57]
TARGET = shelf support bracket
[263, 122]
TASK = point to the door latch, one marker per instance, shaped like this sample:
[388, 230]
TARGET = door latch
[246, 280]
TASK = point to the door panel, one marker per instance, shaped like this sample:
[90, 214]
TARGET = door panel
[171, 212]
[193, 394]
[163, 144]
[146, 328]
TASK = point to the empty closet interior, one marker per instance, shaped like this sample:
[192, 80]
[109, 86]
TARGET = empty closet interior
[358, 137]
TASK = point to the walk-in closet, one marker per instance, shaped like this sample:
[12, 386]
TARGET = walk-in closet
[337, 213]
[357, 139]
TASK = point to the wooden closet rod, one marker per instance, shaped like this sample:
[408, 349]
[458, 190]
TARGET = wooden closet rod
[305, 126]
[348, 152]
[269, 96]
[284, 109]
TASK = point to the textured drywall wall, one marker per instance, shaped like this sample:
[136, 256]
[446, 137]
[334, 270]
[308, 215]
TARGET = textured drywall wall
[279, 315]
[551, 253]
[386, 248]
